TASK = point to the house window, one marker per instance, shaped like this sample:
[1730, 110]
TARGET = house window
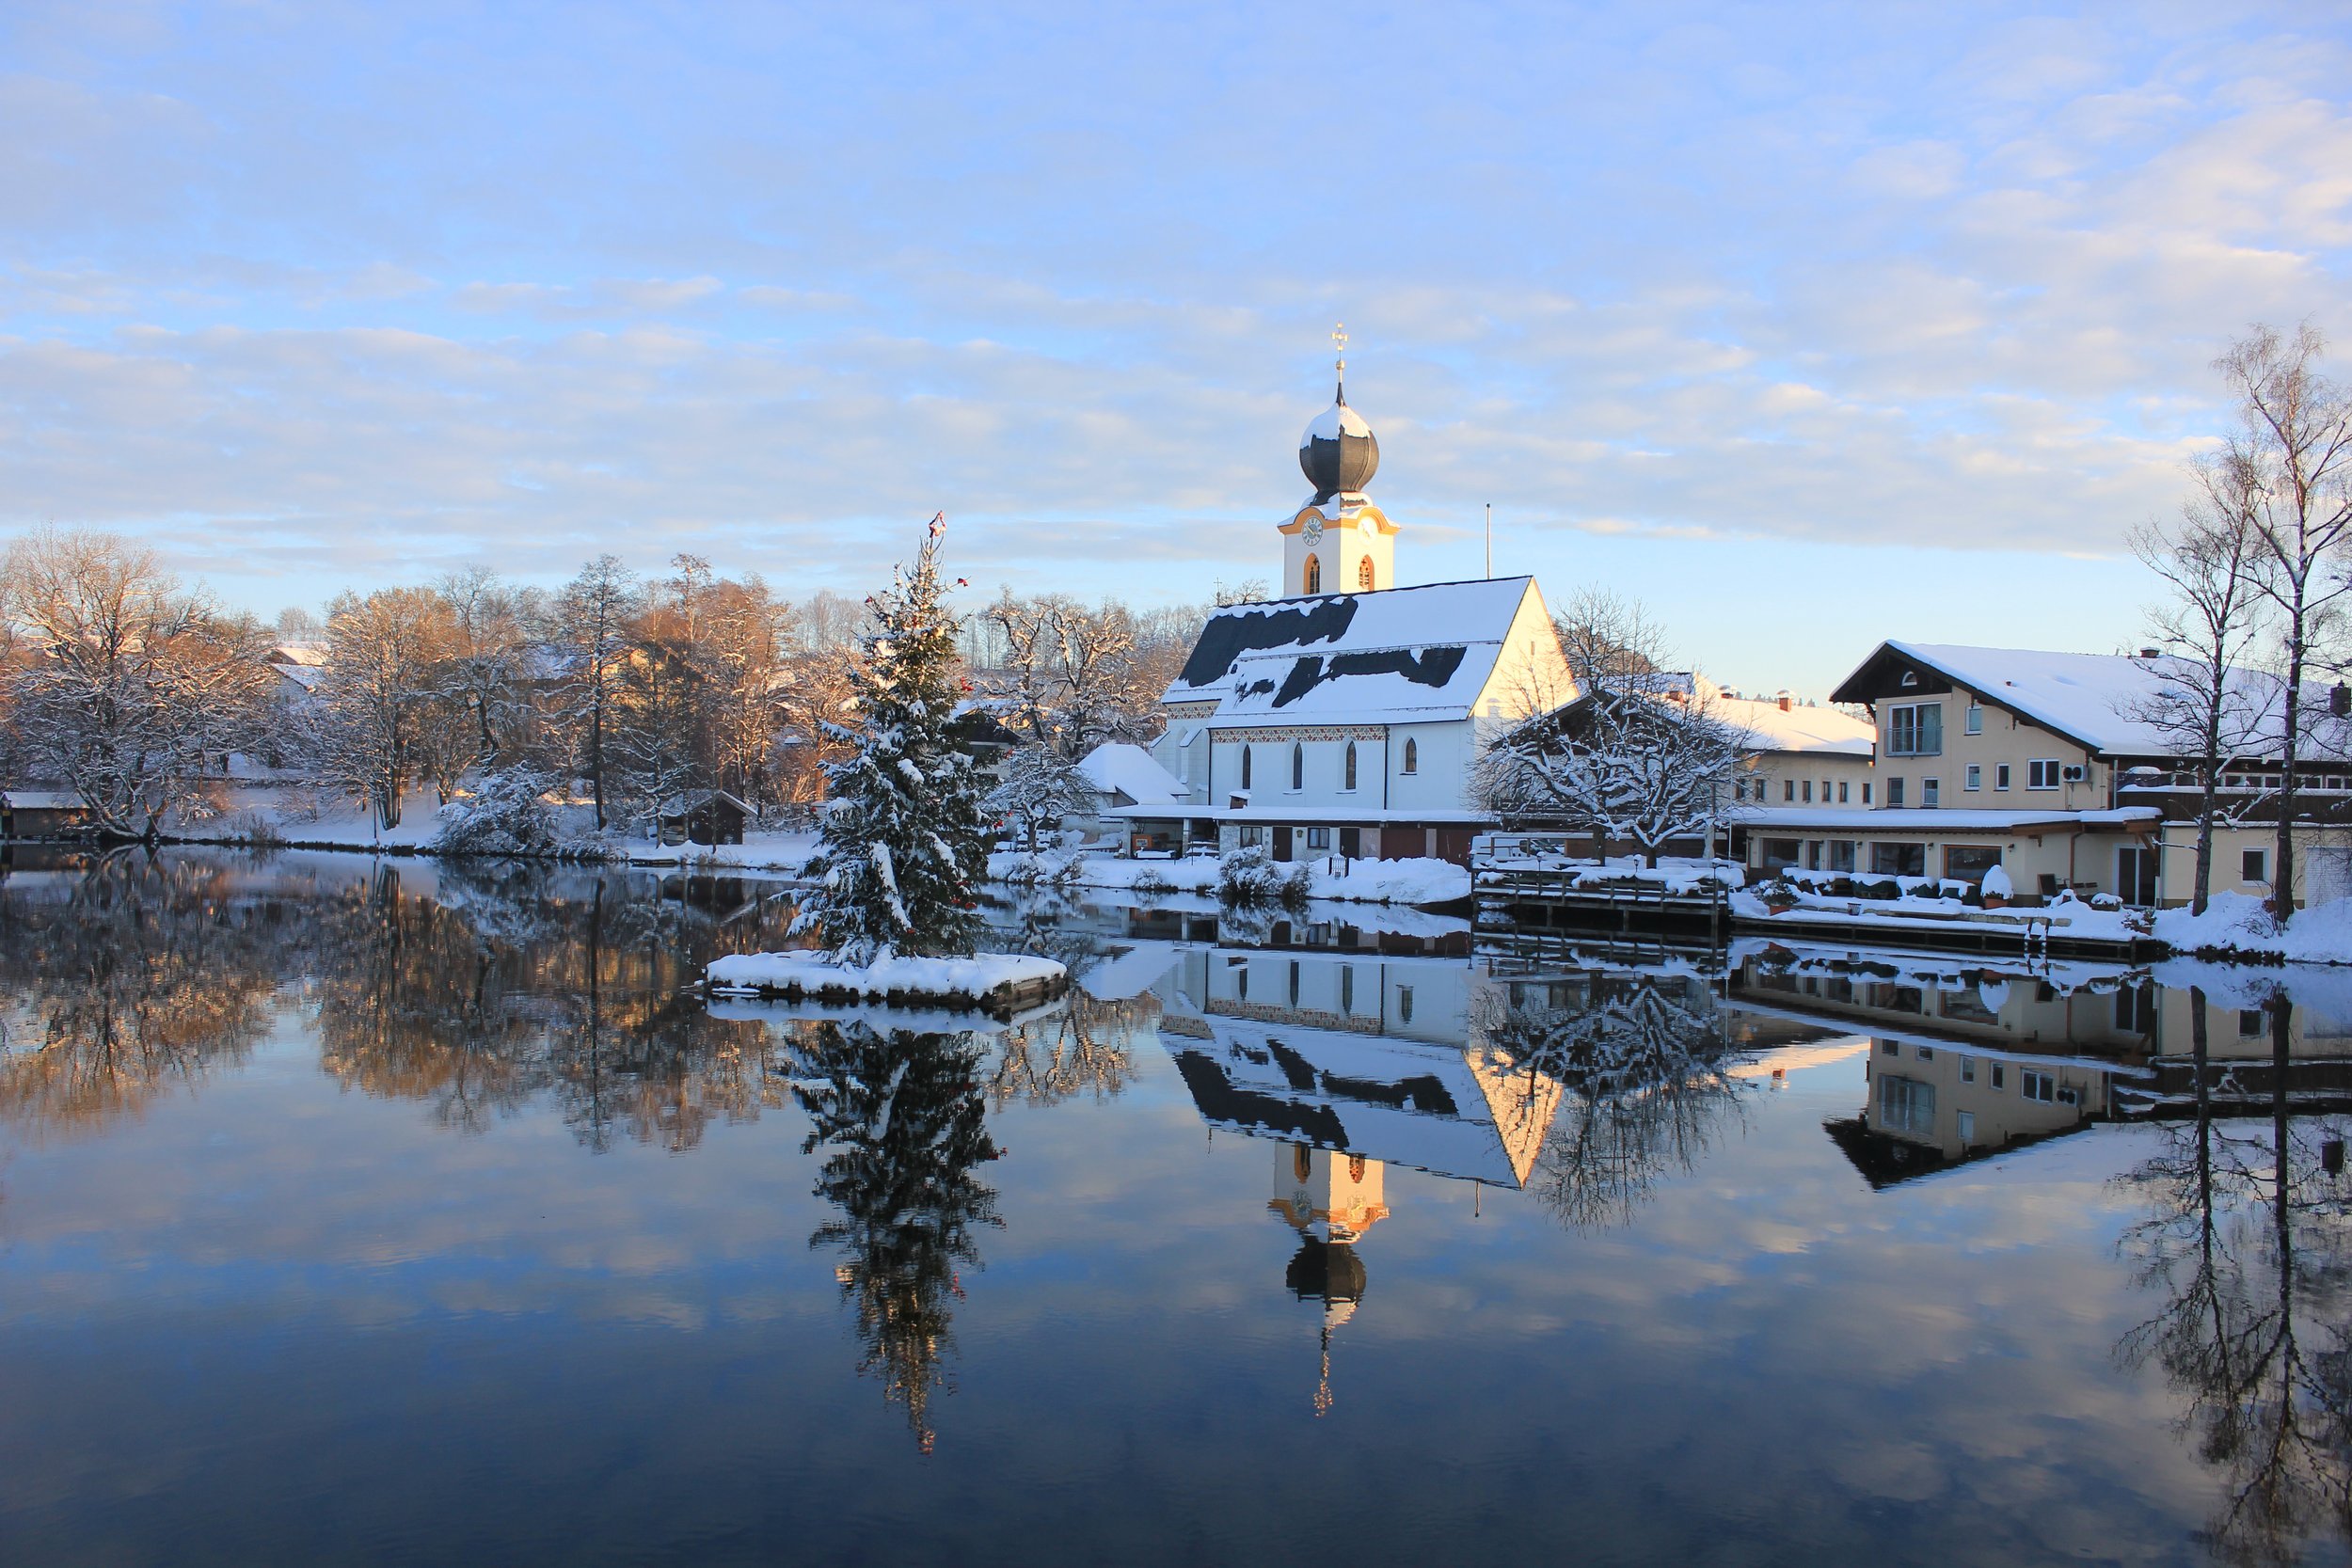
[1975, 719]
[2042, 773]
[1363, 573]
[2000, 775]
[1907, 1106]
[1318, 838]
[1298, 766]
[2253, 866]
[1915, 730]
[1788, 789]
[1412, 757]
[1966, 1121]
[1245, 767]
[1967, 1070]
[1808, 792]
[1976, 778]
[1968, 863]
[1841, 791]
[1899, 860]
[1930, 792]
[2249, 1024]
[1405, 1004]
[2038, 1085]
[1252, 838]
[1351, 765]
[1314, 576]
[1865, 793]
[2000, 1074]
[1841, 854]
[1894, 792]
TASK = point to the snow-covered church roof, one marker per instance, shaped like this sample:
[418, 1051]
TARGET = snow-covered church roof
[1401, 654]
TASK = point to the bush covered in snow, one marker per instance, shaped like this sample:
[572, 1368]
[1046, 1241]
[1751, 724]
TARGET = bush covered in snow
[513, 812]
[1151, 884]
[1253, 876]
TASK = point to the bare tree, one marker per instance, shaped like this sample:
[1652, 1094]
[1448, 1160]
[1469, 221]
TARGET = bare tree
[2203, 702]
[381, 694]
[2290, 461]
[487, 641]
[591, 626]
[1621, 767]
[1609, 641]
[121, 687]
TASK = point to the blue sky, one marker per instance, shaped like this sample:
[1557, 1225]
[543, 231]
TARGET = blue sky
[1806, 326]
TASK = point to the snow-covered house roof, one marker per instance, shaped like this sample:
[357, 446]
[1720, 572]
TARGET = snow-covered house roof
[1127, 776]
[1396, 656]
[2084, 697]
[2089, 698]
[307, 676]
[1770, 727]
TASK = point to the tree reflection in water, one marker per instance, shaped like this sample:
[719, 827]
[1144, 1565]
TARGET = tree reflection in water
[1086, 1047]
[1646, 1061]
[2246, 1239]
[506, 983]
[140, 976]
[903, 1118]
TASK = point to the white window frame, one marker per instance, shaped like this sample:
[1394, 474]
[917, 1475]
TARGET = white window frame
[1930, 793]
[1895, 727]
[2043, 768]
[1975, 779]
[2000, 776]
[1974, 721]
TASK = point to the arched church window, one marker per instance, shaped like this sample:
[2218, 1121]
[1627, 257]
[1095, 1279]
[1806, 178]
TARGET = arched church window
[1351, 764]
[1302, 1162]
[1298, 766]
[1412, 760]
[1315, 575]
[1363, 573]
[1355, 1168]
[1245, 766]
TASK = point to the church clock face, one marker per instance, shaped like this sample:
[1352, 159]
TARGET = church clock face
[1314, 531]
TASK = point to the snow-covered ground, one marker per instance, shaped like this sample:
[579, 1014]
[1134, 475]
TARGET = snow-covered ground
[816, 974]
[1673, 874]
[1419, 880]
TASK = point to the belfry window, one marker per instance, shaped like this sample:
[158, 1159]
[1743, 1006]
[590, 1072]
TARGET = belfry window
[1298, 766]
[1351, 765]
[1315, 575]
[1363, 573]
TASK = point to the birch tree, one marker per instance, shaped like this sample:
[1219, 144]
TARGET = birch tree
[2202, 701]
[2289, 465]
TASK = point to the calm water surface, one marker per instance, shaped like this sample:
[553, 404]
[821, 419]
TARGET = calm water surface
[381, 1213]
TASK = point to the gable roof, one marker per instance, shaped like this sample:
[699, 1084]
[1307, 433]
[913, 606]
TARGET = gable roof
[1400, 654]
[1114, 767]
[2081, 696]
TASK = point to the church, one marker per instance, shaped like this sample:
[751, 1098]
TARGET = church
[1343, 718]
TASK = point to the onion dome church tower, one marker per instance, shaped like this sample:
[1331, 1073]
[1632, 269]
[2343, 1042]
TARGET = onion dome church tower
[1339, 541]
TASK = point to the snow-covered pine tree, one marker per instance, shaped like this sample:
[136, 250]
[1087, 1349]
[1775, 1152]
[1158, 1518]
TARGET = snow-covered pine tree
[904, 843]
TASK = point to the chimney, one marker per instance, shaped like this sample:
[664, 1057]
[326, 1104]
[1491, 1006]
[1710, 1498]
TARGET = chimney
[1785, 698]
[2150, 653]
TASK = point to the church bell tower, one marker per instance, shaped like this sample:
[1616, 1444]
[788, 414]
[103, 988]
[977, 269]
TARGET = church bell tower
[1339, 541]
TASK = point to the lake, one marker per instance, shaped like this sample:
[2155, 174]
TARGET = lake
[358, 1212]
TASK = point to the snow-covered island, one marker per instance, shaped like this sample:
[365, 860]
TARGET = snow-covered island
[999, 982]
